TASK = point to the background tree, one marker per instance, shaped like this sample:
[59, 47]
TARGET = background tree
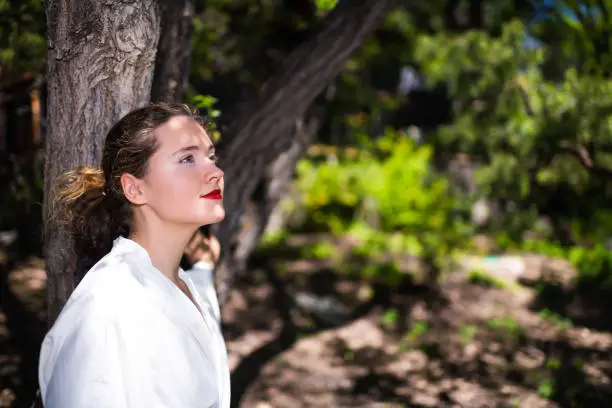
[173, 57]
[263, 130]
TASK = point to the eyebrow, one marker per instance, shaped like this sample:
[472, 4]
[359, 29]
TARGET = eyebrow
[191, 148]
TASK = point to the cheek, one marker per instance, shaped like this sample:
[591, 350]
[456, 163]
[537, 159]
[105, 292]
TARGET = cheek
[174, 185]
[184, 183]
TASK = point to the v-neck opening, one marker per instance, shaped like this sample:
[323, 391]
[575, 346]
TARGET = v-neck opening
[190, 296]
[142, 252]
[197, 300]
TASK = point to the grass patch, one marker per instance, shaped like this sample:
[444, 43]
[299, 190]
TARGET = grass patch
[505, 328]
[467, 333]
[483, 278]
[555, 319]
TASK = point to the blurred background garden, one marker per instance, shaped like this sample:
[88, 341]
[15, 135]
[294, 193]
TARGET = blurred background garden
[437, 235]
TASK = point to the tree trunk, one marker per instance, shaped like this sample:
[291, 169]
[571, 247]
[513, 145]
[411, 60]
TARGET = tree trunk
[272, 187]
[260, 133]
[173, 51]
[101, 58]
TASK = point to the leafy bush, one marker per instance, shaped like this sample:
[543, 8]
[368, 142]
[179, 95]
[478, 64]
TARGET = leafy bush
[593, 263]
[385, 194]
[537, 136]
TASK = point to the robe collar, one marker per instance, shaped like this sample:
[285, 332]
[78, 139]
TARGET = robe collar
[164, 293]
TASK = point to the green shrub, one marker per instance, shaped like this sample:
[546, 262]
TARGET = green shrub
[391, 185]
[594, 265]
[387, 195]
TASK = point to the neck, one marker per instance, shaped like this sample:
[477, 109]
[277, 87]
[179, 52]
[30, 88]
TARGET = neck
[164, 244]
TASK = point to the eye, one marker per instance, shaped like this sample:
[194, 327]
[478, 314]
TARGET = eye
[187, 159]
[213, 158]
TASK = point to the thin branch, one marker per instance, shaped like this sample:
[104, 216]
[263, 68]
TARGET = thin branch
[586, 159]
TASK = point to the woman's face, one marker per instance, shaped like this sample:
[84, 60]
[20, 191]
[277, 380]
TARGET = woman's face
[183, 184]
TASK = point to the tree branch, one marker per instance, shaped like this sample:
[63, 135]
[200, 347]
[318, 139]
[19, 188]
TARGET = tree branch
[260, 132]
[586, 159]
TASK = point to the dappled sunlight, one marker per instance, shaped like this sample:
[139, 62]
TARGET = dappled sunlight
[416, 196]
[485, 346]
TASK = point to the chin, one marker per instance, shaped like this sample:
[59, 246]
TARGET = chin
[217, 215]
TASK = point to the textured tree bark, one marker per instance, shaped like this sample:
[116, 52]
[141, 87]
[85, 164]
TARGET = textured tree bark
[257, 135]
[173, 51]
[101, 57]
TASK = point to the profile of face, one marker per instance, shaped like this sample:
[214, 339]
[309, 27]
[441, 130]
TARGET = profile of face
[182, 185]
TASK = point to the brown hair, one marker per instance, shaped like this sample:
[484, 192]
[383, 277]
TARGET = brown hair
[90, 203]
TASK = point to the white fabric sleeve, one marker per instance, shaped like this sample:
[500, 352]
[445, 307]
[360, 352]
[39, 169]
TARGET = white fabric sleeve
[201, 274]
[91, 369]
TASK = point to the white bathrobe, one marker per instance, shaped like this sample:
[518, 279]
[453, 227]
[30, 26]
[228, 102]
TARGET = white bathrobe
[129, 338]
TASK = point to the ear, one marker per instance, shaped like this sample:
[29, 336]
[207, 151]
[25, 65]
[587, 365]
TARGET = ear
[133, 189]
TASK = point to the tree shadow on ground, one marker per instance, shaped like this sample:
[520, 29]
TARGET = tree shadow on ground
[381, 387]
[586, 304]
[21, 215]
[571, 387]
[26, 331]
[583, 303]
[283, 302]
[563, 373]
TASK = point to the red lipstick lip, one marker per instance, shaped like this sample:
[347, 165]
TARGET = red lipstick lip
[213, 195]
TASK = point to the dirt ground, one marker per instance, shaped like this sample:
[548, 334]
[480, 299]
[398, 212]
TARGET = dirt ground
[513, 340]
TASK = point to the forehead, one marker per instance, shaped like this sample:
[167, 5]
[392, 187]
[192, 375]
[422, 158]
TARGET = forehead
[181, 131]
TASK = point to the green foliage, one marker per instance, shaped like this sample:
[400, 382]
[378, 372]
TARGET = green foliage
[325, 5]
[483, 278]
[389, 318]
[413, 335]
[505, 328]
[319, 250]
[239, 44]
[386, 195]
[555, 319]
[546, 388]
[22, 41]
[467, 332]
[207, 103]
[533, 137]
[581, 32]
[593, 263]
[418, 329]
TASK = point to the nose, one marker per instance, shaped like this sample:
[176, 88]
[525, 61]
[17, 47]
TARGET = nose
[214, 175]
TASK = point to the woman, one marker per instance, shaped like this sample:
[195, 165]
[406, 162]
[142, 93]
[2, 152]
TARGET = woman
[138, 331]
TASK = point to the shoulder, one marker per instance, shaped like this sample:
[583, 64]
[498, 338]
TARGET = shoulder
[111, 281]
[104, 293]
[103, 305]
